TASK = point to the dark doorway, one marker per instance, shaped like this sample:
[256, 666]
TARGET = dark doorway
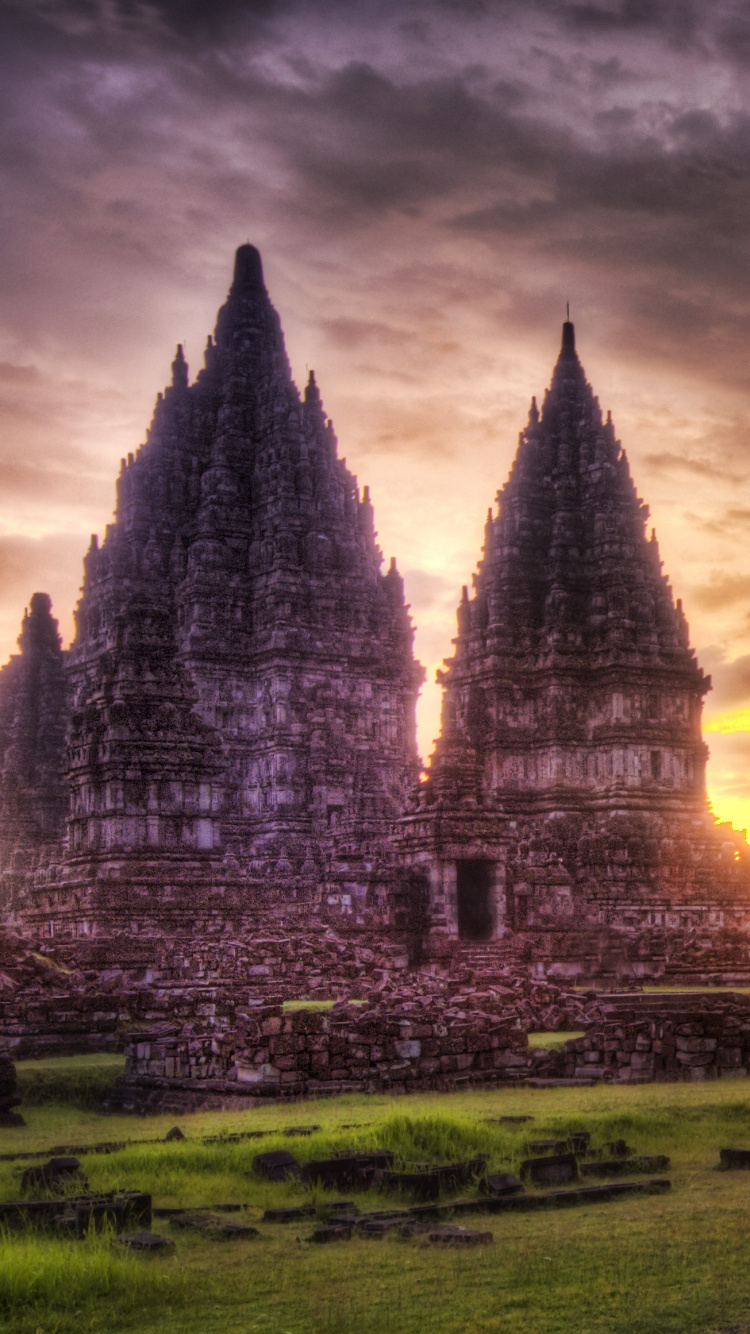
[476, 916]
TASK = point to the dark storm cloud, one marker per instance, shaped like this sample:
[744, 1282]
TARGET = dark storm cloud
[678, 20]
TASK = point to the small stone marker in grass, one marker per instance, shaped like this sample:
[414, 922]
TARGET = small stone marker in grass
[734, 1159]
[79, 1214]
[54, 1175]
[347, 1170]
[229, 1231]
[293, 1214]
[557, 1170]
[147, 1243]
[447, 1234]
[332, 1232]
[426, 1182]
[617, 1148]
[579, 1141]
[278, 1165]
[378, 1227]
[500, 1183]
[213, 1225]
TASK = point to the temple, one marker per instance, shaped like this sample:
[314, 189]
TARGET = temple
[567, 788]
[230, 740]
[237, 709]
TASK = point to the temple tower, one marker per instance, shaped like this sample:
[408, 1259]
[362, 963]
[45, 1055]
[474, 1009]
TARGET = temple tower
[241, 686]
[33, 799]
[570, 756]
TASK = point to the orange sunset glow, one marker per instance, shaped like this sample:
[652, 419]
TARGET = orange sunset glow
[428, 185]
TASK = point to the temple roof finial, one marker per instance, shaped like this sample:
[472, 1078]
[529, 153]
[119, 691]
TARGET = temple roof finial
[247, 266]
[179, 370]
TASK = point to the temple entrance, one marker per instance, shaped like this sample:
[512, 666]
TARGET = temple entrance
[476, 909]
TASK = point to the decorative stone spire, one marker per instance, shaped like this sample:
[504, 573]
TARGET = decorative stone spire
[240, 595]
[33, 799]
[572, 631]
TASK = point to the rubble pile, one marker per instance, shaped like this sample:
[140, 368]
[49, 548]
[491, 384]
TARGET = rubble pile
[51, 1005]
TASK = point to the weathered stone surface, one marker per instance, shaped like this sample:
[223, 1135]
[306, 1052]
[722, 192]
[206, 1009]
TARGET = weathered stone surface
[349, 1047]
[356, 1169]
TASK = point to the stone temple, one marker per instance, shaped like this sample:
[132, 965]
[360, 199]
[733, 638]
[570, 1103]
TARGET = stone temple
[233, 728]
[238, 706]
[567, 788]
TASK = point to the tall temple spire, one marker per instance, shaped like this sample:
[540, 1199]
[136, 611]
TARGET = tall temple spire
[570, 766]
[568, 339]
[242, 679]
[569, 583]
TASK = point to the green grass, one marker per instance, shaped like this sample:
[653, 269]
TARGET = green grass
[553, 1041]
[81, 1082]
[49, 1283]
[671, 1264]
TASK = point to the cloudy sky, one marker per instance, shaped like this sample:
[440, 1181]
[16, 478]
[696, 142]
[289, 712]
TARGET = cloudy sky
[428, 181]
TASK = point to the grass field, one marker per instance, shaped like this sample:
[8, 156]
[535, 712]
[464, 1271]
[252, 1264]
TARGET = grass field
[669, 1264]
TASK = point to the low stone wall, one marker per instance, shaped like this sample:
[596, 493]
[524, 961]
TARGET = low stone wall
[685, 1038]
[273, 1054]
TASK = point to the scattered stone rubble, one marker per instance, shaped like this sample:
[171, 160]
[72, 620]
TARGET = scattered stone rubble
[55, 1003]
[76, 1214]
[337, 1220]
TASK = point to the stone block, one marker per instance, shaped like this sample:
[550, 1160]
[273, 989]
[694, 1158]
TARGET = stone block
[277, 1165]
[556, 1170]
